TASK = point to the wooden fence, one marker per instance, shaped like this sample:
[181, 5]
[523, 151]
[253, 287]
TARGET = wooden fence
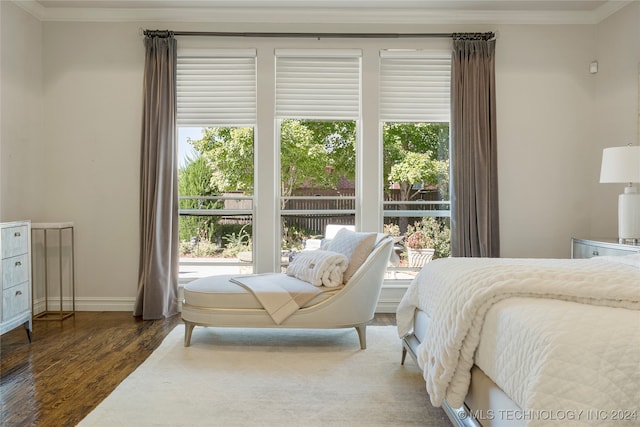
[315, 223]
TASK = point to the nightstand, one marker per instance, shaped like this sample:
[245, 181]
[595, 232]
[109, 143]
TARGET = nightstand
[588, 248]
[16, 276]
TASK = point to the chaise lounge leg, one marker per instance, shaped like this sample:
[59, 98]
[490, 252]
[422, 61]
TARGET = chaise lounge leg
[188, 329]
[404, 355]
[362, 334]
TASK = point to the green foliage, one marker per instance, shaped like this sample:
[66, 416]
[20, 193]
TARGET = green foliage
[194, 177]
[237, 242]
[313, 153]
[316, 154]
[419, 240]
[200, 248]
[229, 156]
[338, 139]
[430, 231]
[194, 180]
[400, 138]
[293, 237]
[416, 153]
[391, 229]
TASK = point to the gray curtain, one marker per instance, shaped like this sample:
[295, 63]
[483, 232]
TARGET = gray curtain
[158, 270]
[474, 168]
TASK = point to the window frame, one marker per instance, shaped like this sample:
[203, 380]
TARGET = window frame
[237, 84]
[369, 203]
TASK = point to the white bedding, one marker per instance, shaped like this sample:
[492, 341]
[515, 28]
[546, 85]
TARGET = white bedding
[550, 362]
[535, 349]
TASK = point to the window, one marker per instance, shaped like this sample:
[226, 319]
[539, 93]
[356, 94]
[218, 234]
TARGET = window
[317, 113]
[414, 114]
[291, 136]
[216, 116]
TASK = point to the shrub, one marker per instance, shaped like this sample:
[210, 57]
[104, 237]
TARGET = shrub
[237, 242]
[437, 232]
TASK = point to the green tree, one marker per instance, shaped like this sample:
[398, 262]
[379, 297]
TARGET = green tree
[316, 154]
[229, 156]
[416, 153]
[418, 167]
[339, 140]
[313, 153]
[320, 153]
[194, 179]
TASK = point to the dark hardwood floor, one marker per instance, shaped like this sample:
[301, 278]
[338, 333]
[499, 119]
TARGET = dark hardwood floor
[72, 365]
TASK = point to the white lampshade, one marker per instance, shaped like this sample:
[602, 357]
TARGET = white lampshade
[620, 164]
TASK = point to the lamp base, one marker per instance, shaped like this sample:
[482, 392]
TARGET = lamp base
[629, 215]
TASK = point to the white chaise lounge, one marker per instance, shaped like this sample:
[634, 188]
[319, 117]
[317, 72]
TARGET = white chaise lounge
[218, 301]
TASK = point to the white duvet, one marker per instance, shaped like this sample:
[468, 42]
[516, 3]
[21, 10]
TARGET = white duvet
[576, 295]
[564, 358]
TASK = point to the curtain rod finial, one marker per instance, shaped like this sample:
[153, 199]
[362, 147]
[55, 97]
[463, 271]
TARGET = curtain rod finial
[473, 36]
[158, 33]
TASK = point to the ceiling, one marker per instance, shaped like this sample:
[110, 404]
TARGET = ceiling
[328, 11]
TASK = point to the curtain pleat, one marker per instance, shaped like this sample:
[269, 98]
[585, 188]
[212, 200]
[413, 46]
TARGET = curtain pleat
[474, 175]
[158, 269]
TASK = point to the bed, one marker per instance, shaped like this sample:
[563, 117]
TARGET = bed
[527, 342]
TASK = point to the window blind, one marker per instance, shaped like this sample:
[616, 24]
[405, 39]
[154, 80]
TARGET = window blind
[216, 88]
[318, 84]
[415, 87]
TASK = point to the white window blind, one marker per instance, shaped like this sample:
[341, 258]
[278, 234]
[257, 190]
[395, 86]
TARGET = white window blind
[316, 84]
[216, 88]
[415, 87]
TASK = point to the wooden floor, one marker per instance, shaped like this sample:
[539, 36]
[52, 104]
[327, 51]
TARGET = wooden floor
[71, 366]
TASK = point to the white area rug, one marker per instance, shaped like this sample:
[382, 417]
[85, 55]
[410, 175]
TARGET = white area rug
[266, 377]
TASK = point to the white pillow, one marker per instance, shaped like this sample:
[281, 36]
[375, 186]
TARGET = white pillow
[356, 246]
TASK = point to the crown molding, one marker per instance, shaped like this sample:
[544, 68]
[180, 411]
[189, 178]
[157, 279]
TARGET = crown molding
[281, 15]
[609, 8]
[32, 7]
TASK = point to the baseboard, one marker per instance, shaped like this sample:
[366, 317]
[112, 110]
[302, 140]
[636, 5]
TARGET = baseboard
[85, 304]
[390, 297]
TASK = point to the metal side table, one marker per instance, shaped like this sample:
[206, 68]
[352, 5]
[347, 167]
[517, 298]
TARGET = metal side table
[46, 229]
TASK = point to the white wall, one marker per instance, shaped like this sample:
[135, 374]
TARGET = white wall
[618, 55]
[93, 111]
[22, 157]
[545, 103]
[548, 137]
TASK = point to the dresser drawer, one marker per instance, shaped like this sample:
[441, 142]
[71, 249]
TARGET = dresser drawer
[15, 270]
[15, 241]
[15, 300]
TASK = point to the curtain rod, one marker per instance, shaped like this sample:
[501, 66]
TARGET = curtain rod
[467, 36]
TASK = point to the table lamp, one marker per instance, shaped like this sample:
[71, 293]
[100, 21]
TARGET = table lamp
[622, 165]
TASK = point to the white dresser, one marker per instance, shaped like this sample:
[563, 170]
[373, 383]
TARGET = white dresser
[15, 244]
[587, 248]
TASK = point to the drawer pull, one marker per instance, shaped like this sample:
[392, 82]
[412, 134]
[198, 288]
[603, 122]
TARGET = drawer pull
[595, 253]
[16, 234]
[18, 264]
[18, 293]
